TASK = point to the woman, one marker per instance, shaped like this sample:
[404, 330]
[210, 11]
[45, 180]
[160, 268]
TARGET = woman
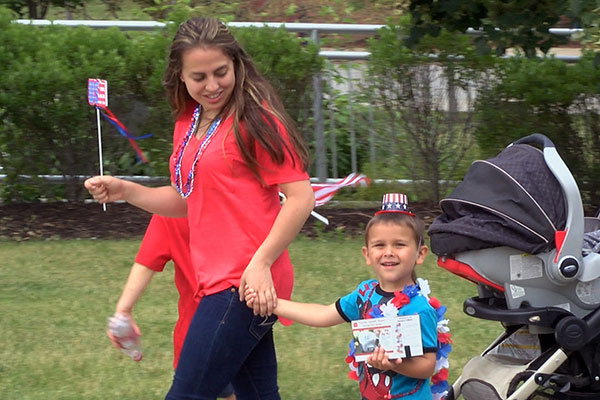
[235, 148]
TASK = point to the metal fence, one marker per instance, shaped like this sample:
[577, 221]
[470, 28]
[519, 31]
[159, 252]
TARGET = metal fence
[341, 58]
[315, 30]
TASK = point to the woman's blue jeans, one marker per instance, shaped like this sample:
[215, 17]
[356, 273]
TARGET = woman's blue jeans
[226, 343]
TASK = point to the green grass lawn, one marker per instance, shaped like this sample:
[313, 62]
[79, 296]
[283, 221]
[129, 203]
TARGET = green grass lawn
[55, 297]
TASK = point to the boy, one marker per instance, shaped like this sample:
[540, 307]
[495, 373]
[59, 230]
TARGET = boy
[394, 245]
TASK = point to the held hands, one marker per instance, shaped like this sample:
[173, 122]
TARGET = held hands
[258, 280]
[378, 359]
[250, 296]
[105, 189]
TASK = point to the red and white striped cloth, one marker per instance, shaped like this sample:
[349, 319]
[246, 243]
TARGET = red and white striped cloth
[325, 191]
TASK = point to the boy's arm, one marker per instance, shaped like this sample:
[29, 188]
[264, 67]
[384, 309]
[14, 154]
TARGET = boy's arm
[419, 367]
[310, 314]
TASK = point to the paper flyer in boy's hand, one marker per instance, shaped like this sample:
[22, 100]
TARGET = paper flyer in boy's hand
[399, 336]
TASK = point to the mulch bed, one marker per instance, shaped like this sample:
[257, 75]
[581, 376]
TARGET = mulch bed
[87, 220]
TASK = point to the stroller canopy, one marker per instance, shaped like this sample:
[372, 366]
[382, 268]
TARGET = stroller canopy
[512, 199]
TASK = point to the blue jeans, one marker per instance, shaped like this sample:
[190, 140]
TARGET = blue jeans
[228, 391]
[226, 343]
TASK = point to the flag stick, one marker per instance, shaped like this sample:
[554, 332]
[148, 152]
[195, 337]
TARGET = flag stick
[100, 148]
[313, 213]
[320, 217]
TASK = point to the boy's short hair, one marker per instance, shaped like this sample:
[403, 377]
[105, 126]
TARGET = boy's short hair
[413, 222]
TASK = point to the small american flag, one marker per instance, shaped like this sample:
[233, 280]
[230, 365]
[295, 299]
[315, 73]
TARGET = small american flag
[97, 92]
[325, 191]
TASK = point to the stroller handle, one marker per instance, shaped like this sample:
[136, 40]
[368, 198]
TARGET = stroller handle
[535, 138]
[568, 262]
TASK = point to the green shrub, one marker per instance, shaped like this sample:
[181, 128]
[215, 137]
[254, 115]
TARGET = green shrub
[47, 126]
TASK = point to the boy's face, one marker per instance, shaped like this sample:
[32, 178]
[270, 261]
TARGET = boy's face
[393, 253]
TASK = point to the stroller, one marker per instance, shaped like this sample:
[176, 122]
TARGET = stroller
[515, 227]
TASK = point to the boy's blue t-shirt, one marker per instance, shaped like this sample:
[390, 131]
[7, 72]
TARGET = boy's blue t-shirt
[374, 383]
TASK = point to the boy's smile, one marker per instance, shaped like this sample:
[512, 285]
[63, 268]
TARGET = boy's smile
[392, 252]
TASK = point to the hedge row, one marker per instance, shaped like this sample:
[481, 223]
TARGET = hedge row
[47, 126]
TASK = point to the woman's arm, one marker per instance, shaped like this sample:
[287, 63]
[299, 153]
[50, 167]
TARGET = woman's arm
[299, 203]
[162, 200]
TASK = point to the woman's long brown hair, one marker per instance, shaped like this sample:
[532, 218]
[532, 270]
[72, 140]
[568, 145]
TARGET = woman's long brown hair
[254, 101]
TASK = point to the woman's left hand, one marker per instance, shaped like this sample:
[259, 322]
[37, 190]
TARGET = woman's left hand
[258, 277]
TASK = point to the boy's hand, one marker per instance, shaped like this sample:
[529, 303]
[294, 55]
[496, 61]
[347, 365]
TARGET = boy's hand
[378, 359]
[258, 277]
[250, 296]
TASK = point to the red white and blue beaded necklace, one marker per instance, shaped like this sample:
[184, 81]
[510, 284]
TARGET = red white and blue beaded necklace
[186, 189]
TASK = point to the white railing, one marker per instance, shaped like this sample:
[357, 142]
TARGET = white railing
[164, 180]
[314, 29]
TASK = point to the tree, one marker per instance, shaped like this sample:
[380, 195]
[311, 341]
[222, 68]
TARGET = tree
[586, 13]
[522, 24]
[37, 9]
[428, 132]
[550, 97]
[227, 10]
[583, 13]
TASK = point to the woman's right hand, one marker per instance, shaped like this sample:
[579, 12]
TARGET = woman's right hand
[105, 189]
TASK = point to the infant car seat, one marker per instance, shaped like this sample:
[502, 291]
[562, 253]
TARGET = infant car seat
[515, 227]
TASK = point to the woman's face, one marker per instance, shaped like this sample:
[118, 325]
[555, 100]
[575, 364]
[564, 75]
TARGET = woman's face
[209, 77]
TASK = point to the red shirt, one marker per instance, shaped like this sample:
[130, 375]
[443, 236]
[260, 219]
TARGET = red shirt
[229, 211]
[167, 239]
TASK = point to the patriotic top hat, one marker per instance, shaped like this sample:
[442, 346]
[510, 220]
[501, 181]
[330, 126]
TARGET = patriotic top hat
[395, 202]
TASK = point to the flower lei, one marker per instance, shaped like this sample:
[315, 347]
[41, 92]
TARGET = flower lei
[439, 381]
[189, 183]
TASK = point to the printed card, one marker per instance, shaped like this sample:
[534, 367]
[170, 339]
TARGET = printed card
[399, 336]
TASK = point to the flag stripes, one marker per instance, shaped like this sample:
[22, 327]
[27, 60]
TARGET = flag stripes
[325, 191]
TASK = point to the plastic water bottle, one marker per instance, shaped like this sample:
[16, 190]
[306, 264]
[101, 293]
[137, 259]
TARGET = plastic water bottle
[121, 328]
